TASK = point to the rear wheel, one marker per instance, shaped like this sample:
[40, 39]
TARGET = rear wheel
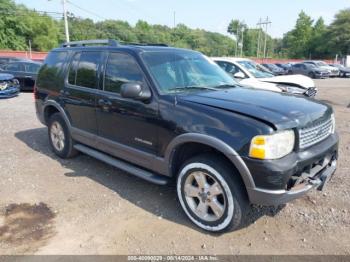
[60, 138]
[211, 193]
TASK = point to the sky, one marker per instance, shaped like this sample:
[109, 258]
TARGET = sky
[210, 15]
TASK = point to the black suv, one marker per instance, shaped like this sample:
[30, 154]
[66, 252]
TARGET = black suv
[164, 114]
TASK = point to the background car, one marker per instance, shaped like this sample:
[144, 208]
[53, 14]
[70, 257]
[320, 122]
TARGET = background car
[25, 71]
[333, 71]
[309, 70]
[344, 71]
[276, 70]
[284, 66]
[9, 59]
[9, 86]
[251, 74]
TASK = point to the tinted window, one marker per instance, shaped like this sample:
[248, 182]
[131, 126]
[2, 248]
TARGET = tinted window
[86, 74]
[120, 69]
[32, 68]
[16, 67]
[73, 69]
[51, 68]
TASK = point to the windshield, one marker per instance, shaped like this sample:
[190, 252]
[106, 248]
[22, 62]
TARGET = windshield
[185, 71]
[321, 63]
[310, 65]
[255, 69]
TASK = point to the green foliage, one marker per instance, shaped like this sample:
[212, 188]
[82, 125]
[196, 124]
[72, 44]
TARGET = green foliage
[339, 33]
[18, 25]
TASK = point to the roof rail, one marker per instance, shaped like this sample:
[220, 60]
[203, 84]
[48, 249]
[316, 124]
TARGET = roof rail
[144, 44]
[109, 42]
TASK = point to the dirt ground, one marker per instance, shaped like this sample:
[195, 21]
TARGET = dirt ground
[82, 206]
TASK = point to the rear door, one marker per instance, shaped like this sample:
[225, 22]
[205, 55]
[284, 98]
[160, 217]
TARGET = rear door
[31, 71]
[79, 94]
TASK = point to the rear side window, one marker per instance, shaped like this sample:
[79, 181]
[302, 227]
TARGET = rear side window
[83, 69]
[15, 67]
[120, 69]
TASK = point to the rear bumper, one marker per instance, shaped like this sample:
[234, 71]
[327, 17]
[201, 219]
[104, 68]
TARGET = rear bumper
[280, 181]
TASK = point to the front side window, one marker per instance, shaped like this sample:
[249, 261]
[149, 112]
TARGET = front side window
[84, 72]
[121, 69]
[15, 67]
[255, 69]
[32, 68]
[179, 71]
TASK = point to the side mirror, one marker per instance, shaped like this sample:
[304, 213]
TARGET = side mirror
[239, 75]
[135, 90]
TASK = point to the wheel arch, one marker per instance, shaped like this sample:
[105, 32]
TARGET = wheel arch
[52, 107]
[206, 141]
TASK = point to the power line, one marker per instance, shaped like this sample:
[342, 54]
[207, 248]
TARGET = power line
[85, 10]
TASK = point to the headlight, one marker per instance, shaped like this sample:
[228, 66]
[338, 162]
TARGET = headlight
[333, 124]
[273, 146]
[291, 89]
[3, 86]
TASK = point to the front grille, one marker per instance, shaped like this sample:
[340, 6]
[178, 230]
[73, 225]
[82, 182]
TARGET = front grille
[315, 133]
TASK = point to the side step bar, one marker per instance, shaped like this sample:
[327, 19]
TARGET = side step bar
[129, 168]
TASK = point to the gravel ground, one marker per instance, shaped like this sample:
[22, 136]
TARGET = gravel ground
[82, 206]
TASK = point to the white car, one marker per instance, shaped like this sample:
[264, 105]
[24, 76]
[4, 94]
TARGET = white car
[333, 71]
[250, 73]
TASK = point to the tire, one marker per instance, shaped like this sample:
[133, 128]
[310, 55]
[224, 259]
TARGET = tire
[232, 201]
[312, 75]
[60, 138]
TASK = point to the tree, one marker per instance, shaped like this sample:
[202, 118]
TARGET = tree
[339, 33]
[318, 44]
[12, 29]
[297, 41]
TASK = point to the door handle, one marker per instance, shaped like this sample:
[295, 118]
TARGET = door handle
[28, 77]
[64, 92]
[103, 102]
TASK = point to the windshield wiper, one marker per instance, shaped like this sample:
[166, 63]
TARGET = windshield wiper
[227, 86]
[181, 88]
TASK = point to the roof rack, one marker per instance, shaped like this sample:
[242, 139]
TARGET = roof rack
[109, 42]
[145, 44]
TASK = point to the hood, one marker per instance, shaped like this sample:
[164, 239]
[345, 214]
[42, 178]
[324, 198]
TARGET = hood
[294, 80]
[254, 82]
[330, 68]
[6, 77]
[279, 110]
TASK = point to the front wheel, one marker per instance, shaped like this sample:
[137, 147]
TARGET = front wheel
[211, 193]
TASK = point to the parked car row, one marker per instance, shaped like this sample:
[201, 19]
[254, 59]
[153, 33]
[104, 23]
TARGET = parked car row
[252, 74]
[311, 68]
[24, 70]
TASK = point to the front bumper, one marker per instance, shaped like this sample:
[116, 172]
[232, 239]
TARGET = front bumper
[283, 180]
[9, 92]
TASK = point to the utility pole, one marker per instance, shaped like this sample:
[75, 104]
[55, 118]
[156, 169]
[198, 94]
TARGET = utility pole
[64, 2]
[236, 52]
[242, 43]
[174, 19]
[266, 23]
[30, 48]
[259, 34]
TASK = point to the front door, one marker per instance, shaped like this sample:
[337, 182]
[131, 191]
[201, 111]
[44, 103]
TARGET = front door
[80, 91]
[126, 127]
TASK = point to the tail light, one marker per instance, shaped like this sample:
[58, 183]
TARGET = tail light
[35, 92]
